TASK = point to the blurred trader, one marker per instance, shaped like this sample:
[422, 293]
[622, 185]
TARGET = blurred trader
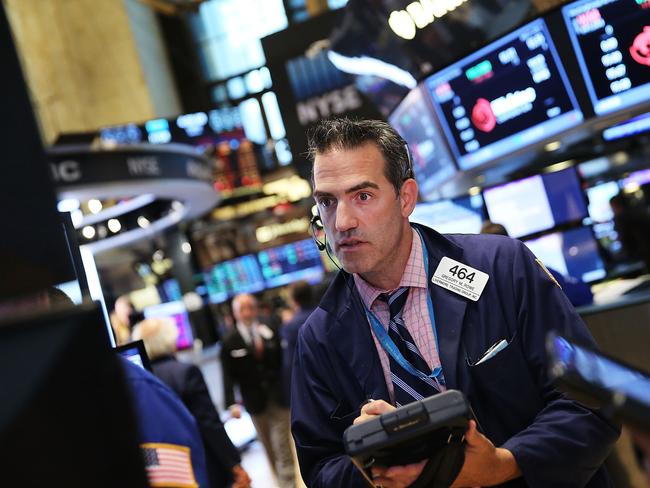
[222, 458]
[301, 297]
[632, 224]
[487, 340]
[578, 292]
[169, 439]
[251, 357]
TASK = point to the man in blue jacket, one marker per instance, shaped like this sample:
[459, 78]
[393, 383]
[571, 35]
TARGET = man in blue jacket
[413, 313]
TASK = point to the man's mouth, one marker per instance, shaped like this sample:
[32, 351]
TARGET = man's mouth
[349, 243]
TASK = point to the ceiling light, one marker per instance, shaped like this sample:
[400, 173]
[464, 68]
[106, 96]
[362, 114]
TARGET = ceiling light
[186, 247]
[68, 205]
[88, 232]
[114, 225]
[95, 206]
[143, 221]
[553, 146]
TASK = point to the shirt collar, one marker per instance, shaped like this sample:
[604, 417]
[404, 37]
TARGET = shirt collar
[414, 274]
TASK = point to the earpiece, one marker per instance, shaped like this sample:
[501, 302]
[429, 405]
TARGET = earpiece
[322, 246]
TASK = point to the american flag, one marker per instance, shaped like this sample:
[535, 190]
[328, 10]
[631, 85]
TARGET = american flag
[168, 465]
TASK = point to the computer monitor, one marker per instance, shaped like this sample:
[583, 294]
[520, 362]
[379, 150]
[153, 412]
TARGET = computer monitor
[508, 95]
[599, 196]
[171, 290]
[136, 353]
[239, 275]
[463, 215]
[291, 262]
[415, 121]
[571, 253]
[65, 415]
[177, 312]
[610, 39]
[632, 127]
[536, 203]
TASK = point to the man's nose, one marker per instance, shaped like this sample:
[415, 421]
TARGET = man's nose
[345, 218]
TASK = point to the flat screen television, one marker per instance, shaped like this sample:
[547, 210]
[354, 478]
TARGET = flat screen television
[610, 39]
[415, 121]
[512, 93]
[536, 203]
[285, 264]
[571, 253]
[599, 197]
[239, 275]
[463, 215]
[177, 312]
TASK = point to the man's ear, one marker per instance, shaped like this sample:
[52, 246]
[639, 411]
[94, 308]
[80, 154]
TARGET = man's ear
[408, 196]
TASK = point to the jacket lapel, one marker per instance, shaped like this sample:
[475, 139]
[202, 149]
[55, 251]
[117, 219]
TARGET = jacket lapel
[353, 341]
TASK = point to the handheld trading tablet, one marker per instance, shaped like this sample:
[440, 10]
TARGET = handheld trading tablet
[432, 428]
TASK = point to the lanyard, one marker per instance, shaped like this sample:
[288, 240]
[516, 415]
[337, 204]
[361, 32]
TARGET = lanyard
[389, 346]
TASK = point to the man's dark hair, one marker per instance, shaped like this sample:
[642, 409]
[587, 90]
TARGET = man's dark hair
[302, 294]
[493, 228]
[345, 133]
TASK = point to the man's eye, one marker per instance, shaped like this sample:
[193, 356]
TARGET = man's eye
[325, 202]
[364, 196]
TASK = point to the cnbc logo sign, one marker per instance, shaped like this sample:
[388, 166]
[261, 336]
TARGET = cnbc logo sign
[417, 15]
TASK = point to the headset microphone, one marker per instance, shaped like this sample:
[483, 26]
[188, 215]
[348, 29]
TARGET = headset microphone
[313, 223]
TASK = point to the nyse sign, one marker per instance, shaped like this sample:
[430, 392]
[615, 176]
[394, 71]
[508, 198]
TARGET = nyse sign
[331, 103]
[67, 171]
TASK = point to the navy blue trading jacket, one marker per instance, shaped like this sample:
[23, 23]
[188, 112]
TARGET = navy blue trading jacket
[556, 441]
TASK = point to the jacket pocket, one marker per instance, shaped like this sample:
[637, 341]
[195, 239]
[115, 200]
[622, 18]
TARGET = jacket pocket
[506, 396]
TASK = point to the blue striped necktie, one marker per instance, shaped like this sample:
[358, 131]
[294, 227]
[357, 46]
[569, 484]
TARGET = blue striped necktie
[408, 387]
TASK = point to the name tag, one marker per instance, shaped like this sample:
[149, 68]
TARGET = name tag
[460, 278]
[238, 353]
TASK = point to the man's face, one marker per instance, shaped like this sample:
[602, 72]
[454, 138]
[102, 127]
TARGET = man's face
[362, 216]
[245, 309]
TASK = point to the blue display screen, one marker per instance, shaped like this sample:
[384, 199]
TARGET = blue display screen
[611, 39]
[599, 196]
[463, 215]
[285, 264]
[536, 203]
[571, 253]
[239, 275]
[506, 96]
[414, 120]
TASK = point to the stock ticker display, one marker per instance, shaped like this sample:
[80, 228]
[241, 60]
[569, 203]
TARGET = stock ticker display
[508, 95]
[239, 275]
[285, 264]
[614, 36]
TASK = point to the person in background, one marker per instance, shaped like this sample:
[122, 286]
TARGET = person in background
[222, 458]
[121, 319]
[578, 292]
[169, 438]
[251, 357]
[301, 300]
[632, 224]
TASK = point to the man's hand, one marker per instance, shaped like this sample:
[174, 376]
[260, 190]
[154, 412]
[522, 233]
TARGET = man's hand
[372, 409]
[395, 476]
[240, 477]
[485, 465]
